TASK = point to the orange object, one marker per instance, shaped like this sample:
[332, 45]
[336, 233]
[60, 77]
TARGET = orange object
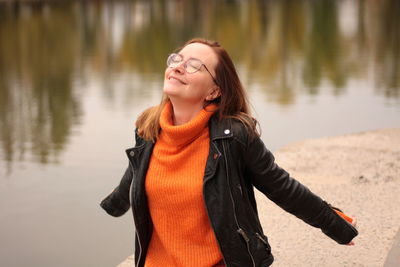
[182, 234]
[344, 216]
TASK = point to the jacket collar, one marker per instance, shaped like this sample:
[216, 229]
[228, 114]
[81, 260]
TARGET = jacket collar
[220, 128]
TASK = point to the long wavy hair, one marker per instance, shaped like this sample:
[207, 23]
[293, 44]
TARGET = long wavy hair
[232, 102]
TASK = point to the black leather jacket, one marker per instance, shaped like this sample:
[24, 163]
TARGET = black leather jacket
[236, 162]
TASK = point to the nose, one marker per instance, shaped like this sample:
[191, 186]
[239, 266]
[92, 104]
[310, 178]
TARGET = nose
[180, 68]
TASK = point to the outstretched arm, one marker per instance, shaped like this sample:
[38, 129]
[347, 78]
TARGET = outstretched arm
[292, 196]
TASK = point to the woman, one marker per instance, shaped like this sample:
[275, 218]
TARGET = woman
[191, 174]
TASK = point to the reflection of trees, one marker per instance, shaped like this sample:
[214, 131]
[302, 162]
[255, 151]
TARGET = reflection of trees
[388, 48]
[284, 46]
[280, 53]
[37, 104]
[324, 54]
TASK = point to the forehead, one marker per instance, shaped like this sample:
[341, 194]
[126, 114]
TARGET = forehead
[200, 51]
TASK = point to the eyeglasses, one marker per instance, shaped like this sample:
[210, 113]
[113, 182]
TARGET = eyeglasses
[191, 65]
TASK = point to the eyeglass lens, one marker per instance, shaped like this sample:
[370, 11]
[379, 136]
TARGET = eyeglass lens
[191, 65]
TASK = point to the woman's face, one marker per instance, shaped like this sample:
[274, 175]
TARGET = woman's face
[192, 88]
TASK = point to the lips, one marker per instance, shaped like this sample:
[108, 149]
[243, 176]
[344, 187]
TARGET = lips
[175, 78]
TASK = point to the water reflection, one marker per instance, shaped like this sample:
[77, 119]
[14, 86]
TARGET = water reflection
[39, 54]
[48, 52]
[388, 49]
[324, 56]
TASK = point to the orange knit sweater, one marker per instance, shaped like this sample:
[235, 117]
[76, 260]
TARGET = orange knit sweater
[182, 234]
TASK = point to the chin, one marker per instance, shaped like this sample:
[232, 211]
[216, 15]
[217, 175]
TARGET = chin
[171, 90]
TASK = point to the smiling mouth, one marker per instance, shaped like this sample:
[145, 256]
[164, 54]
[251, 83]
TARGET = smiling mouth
[176, 79]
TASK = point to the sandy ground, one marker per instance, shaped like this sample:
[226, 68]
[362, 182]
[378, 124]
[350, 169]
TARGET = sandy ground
[359, 173]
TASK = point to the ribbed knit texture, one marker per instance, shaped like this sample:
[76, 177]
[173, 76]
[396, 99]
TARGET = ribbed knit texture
[182, 234]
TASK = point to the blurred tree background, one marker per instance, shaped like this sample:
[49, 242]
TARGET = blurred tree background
[49, 49]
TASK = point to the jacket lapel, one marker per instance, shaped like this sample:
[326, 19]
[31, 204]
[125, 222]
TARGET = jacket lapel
[219, 129]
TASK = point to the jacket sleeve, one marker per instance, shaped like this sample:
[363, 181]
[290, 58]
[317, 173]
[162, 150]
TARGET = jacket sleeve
[291, 195]
[117, 202]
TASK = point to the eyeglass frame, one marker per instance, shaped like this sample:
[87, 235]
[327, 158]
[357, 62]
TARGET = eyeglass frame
[185, 65]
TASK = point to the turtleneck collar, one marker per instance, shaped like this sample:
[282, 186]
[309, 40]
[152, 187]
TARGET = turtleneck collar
[184, 134]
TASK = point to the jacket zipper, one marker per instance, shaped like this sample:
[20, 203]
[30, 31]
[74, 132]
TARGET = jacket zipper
[239, 230]
[209, 218]
[136, 230]
[140, 249]
[261, 238]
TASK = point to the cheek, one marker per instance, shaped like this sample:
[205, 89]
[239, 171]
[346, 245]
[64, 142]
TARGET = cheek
[201, 84]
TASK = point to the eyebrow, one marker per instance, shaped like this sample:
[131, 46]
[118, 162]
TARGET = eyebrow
[190, 58]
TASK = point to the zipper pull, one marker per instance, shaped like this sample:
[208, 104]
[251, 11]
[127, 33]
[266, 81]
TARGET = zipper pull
[243, 234]
[262, 239]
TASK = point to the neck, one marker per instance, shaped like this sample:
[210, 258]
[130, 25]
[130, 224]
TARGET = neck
[184, 112]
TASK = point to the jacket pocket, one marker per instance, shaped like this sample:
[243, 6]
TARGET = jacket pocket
[261, 250]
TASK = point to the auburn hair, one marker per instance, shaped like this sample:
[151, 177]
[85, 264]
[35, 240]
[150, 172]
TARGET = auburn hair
[232, 102]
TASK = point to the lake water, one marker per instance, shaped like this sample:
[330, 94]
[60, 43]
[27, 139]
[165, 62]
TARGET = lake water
[75, 75]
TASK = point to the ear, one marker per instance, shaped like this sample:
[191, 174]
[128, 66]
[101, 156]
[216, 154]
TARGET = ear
[216, 92]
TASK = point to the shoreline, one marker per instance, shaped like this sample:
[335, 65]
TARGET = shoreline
[359, 173]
